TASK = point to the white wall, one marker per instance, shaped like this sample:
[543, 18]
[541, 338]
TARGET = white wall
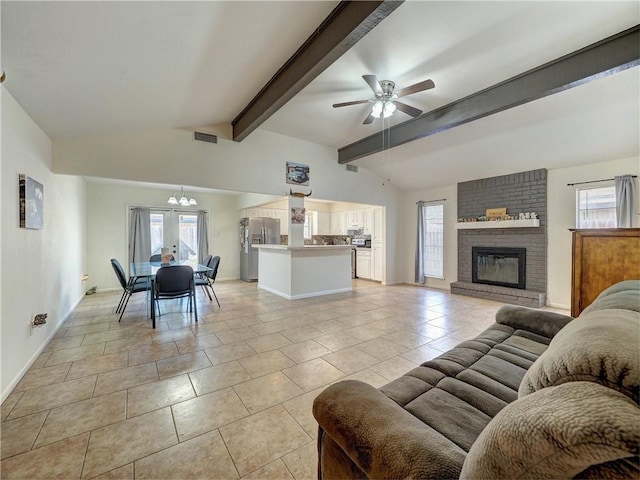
[255, 165]
[41, 269]
[560, 214]
[562, 217]
[108, 224]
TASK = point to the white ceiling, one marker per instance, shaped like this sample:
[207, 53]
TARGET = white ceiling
[81, 68]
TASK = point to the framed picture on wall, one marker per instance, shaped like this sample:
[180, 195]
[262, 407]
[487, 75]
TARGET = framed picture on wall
[31, 202]
[297, 173]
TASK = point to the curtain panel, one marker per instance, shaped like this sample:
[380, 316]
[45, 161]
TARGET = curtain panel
[626, 201]
[422, 227]
[140, 235]
[203, 236]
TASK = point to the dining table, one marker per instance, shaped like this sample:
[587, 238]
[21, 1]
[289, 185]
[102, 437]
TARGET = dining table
[147, 271]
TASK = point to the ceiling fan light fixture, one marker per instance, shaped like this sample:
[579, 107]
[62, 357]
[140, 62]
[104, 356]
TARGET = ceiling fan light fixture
[389, 108]
[377, 108]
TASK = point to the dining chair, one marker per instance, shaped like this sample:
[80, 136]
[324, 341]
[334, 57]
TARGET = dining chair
[209, 278]
[129, 287]
[176, 282]
[155, 258]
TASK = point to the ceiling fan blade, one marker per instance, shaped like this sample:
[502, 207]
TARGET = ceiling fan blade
[409, 110]
[418, 87]
[372, 81]
[368, 120]
[346, 104]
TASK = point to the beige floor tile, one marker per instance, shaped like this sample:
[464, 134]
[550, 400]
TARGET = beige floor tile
[381, 349]
[155, 395]
[264, 363]
[368, 376]
[127, 343]
[393, 368]
[64, 342]
[445, 343]
[313, 374]
[43, 377]
[266, 391]
[300, 408]
[274, 471]
[337, 340]
[126, 378]
[268, 342]
[200, 342]
[73, 419]
[102, 337]
[76, 353]
[300, 334]
[171, 335]
[227, 353]
[188, 362]
[10, 402]
[60, 460]
[121, 473]
[303, 462]
[18, 435]
[406, 338]
[40, 361]
[208, 412]
[85, 329]
[121, 443]
[95, 365]
[202, 457]
[218, 377]
[51, 396]
[236, 335]
[421, 354]
[351, 360]
[304, 351]
[150, 353]
[258, 440]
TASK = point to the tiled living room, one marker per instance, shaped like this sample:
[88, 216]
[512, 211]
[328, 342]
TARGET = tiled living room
[227, 397]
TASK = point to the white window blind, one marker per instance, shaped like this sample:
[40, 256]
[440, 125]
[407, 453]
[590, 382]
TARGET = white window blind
[596, 207]
[434, 240]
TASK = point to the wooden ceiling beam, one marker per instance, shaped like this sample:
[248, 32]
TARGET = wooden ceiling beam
[341, 30]
[613, 54]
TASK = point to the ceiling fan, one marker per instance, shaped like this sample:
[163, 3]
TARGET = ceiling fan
[385, 101]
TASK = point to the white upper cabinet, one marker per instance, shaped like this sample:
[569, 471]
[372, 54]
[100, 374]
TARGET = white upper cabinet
[377, 233]
[324, 223]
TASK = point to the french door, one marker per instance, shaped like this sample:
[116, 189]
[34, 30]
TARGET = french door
[176, 230]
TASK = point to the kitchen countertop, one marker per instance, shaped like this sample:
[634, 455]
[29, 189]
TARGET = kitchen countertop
[302, 247]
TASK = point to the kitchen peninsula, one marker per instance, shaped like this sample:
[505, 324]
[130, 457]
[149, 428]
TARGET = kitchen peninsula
[304, 271]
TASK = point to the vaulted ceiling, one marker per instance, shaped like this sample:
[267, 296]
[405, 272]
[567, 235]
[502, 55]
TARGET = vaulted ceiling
[85, 68]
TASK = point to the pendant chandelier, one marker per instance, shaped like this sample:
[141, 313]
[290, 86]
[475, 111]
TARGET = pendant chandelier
[184, 201]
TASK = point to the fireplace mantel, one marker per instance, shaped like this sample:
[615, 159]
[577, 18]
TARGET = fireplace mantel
[527, 223]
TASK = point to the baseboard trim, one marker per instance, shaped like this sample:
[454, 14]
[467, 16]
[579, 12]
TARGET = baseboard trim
[304, 295]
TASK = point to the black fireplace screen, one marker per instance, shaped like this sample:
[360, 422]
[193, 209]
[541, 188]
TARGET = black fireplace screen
[499, 266]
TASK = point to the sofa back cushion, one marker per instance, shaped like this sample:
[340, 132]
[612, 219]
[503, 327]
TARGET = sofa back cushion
[624, 295]
[600, 346]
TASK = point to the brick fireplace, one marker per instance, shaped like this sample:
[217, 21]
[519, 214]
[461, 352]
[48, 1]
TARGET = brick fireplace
[519, 193]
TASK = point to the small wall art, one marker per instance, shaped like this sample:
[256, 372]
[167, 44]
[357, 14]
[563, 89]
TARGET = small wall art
[297, 173]
[297, 215]
[31, 201]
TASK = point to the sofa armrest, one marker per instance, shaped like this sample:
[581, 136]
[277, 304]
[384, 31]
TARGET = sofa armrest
[540, 322]
[382, 438]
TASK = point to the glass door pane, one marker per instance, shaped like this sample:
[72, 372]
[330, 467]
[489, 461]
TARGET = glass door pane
[185, 236]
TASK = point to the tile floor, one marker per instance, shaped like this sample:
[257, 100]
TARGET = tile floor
[227, 397]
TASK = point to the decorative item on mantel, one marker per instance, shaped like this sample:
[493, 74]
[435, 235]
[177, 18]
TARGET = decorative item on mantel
[499, 214]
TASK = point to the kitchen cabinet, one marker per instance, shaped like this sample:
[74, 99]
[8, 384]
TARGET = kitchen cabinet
[283, 216]
[367, 225]
[324, 223]
[363, 263]
[355, 219]
[602, 257]
[377, 233]
[261, 212]
[338, 223]
[376, 262]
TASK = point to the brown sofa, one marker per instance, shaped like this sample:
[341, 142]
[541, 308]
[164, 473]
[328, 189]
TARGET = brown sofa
[536, 395]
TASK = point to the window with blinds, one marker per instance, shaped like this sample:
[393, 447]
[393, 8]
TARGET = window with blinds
[434, 240]
[596, 207]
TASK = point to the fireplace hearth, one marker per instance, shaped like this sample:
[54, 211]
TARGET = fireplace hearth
[502, 266]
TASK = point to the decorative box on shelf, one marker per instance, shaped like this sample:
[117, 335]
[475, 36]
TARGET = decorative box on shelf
[526, 223]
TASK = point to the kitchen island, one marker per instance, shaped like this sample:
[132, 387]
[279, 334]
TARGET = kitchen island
[305, 271]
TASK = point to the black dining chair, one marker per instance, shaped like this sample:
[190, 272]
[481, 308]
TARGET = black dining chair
[208, 278]
[155, 258]
[176, 282]
[129, 287]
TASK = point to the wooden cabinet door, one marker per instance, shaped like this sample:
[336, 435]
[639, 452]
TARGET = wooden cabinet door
[602, 257]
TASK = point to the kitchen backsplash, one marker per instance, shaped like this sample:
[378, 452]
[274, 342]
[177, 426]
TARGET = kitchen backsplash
[324, 239]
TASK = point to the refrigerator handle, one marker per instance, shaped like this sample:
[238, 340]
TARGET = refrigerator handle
[264, 235]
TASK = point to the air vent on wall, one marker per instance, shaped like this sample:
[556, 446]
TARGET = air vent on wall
[352, 168]
[205, 137]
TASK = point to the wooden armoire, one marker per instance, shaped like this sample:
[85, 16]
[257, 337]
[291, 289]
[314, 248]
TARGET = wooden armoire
[602, 257]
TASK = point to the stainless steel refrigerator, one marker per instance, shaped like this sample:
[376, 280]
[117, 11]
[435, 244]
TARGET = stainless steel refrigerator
[255, 231]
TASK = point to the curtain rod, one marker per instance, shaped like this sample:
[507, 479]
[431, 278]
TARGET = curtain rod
[169, 210]
[596, 181]
[431, 201]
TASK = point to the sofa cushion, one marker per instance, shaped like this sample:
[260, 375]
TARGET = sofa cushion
[599, 347]
[559, 432]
